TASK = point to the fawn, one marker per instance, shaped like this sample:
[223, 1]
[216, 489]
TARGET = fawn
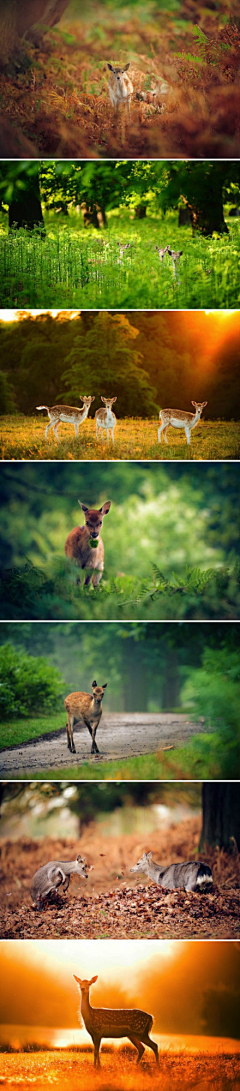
[115, 1023]
[50, 876]
[86, 707]
[105, 418]
[187, 876]
[84, 545]
[179, 419]
[66, 413]
[120, 87]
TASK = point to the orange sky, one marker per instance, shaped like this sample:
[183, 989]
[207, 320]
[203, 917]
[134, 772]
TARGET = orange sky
[189, 987]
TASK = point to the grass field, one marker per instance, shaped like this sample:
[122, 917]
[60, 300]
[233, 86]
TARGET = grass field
[72, 268]
[206, 1070]
[19, 731]
[24, 438]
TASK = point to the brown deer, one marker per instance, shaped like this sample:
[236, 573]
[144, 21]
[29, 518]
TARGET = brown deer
[86, 707]
[115, 1023]
[120, 87]
[178, 418]
[84, 545]
[69, 414]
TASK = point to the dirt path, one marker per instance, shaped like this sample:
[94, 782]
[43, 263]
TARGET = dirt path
[119, 736]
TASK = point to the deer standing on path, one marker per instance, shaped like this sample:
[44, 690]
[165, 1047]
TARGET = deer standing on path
[105, 418]
[120, 87]
[68, 414]
[84, 545]
[50, 876]
[179, 419]
[86, 707]
[187, 876]
[114, 1023]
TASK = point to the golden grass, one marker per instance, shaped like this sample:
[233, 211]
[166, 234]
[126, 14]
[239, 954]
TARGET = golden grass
[24, 438]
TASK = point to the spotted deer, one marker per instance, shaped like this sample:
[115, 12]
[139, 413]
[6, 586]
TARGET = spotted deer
[105, 418]
[68, 414]
[161, 253]
[50, 876]
[101, 1023]
[84, 707]
[179, 419]
[187, 876]
[85, 546]
[120, 87]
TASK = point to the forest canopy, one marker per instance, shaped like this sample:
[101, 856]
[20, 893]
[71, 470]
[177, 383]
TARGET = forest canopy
[150, 358]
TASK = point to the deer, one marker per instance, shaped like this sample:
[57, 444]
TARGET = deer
[175, 255]
[84, 545]
[179, 419]
[105, 418]
[161, 253]
[50, 876]
[123, 247]
[187, 876]
[68, 414]
[86, 707]
[120, 87]
[101, 1023]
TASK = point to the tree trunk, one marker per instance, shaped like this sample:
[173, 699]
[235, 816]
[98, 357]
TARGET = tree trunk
[220, 815]
[171, 681]
[18, 17]
[25, 209]
[8, 30]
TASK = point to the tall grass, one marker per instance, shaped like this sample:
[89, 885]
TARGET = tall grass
[73, 268]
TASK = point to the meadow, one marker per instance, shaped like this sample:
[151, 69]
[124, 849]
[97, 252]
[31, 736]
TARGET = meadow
[181, 1067]
[23, 438]
[74, 268]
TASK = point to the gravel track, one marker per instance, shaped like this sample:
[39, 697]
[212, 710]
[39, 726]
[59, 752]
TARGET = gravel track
[124, 735]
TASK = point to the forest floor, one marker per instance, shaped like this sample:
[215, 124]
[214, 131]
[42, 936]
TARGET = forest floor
[65, 1068]
[135, 437]
[120, 735]
[184, 69]
[112, 903]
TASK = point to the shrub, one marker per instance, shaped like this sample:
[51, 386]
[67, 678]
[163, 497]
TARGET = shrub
[27, 683]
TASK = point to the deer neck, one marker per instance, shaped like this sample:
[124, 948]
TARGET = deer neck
[154, 869]
[84, 412]
[86, 1010]
[96, 709]
[196, 416]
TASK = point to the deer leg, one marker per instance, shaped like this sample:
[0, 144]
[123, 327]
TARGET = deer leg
[70, 741]
[152, 1045]
[50, 425]
[55, 429]
[188, 436]
[165, 434]
[97, 576]
[140, 1048]
[94, 749]
[87, 580]
[76, 426]
[113, 435]
[96, 1043]
[160, 433]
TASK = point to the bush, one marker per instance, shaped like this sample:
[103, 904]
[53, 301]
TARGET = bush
[213, 691]
[27, 683]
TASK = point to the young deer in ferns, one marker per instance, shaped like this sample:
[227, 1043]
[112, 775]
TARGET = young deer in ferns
[120, 87]
[84, 707]
[187, 876]
[50, 876]
[115, 1023]
[84, 545]
[105, 418]
[67, 414]
[179, 419]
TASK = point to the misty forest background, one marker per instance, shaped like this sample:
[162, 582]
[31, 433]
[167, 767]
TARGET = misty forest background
[147, 359]
[148, 668]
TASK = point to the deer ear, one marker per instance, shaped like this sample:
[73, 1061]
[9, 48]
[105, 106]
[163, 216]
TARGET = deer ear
[103, 399]
[110, 67]
[81, 398]
[149, 855]
[126, 67]
[105, 508]
[93, 399]
[194, 403]
[78, 979]
[83, 506]
[94, 684]
[114, 399]
[93, 979]
[105, 685]
[204, 403]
